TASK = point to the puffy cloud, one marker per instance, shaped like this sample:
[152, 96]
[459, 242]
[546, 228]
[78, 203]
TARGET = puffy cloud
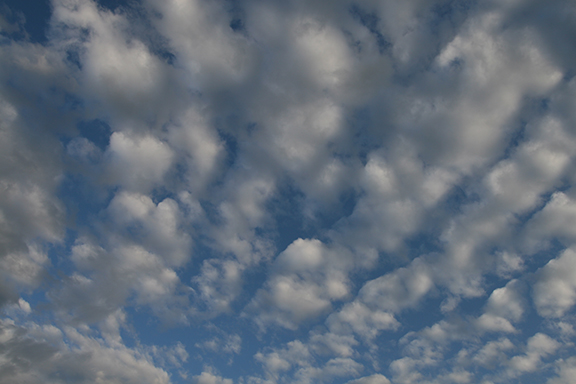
[209, 378]
[554, 220]
[306, 370]
[493, 353]
[539, 346]
[307, 277]
[118, 72]
[507, 302]
[400, 289]
[24, 268]
[495, 74]
[505, 305]
[137, 163]
[205, 46]
[566, 370]
[492, 322]
[33, 353]
[340, 367]
[295, 354]
[192, 138]
[360, 319]
[333, 343]
[160, 224]
[536, 167]
[373, 379]
[555, 291]
[30, 166]
[227, 344]
[219, 283]
[397, 193]
[107, 279]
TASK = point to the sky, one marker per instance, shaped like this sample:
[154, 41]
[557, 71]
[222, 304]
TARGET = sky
[274, 192]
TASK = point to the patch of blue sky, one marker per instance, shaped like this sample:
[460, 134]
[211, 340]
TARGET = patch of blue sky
[97, 131]
[35, 20]
[370, 21]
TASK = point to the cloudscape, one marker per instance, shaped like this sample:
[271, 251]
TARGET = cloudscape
[287, 191]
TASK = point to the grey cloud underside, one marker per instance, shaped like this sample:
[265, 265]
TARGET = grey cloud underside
[366, 193]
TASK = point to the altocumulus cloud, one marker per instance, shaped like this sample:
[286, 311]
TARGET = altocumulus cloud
[269, 192]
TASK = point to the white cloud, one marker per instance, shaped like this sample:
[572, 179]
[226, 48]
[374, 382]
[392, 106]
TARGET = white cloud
[566, 371]
[513, 186]
[505, 305]
[341, 367]
[398, 189]
[333, 344]
[108, 278]
[360, 319]
[307, 277]
[44, 354]
[198, 33]
[24, 268]
[555, 290]
[209, 378]
[280, 360]
[490, 322]
[30, 212]
[162, 225]
[219, 283]
[119, 75]
[539, 346]
[373, 379]
[137, 163]
[192, 137]
[508, 264]
[403, 288]
[508, 301]
[554, 220]
[493, 353]
[227, 344]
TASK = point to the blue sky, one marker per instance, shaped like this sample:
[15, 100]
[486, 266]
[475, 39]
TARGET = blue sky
[270, 192]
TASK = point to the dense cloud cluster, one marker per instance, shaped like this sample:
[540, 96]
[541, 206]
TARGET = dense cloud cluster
[268, 192]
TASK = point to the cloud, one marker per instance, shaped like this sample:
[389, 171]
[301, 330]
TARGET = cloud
[112, 278]
[539, 346]
[396, 194]
[536, 167]
[162, 225]
[505, 305]
[333, 343]
[373, 379]
[34, 353]
[493, 353]
[307, 277]
[360, 319]
[209, 378]
[400, 289]
[297, 356]
[554, 291]
[554, 219]
[30, 168]
[228, 344]
[566, 370]
[138, 164]
[118, 72]
[380, 189]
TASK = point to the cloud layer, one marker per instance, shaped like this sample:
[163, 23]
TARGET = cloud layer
[266, 192]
